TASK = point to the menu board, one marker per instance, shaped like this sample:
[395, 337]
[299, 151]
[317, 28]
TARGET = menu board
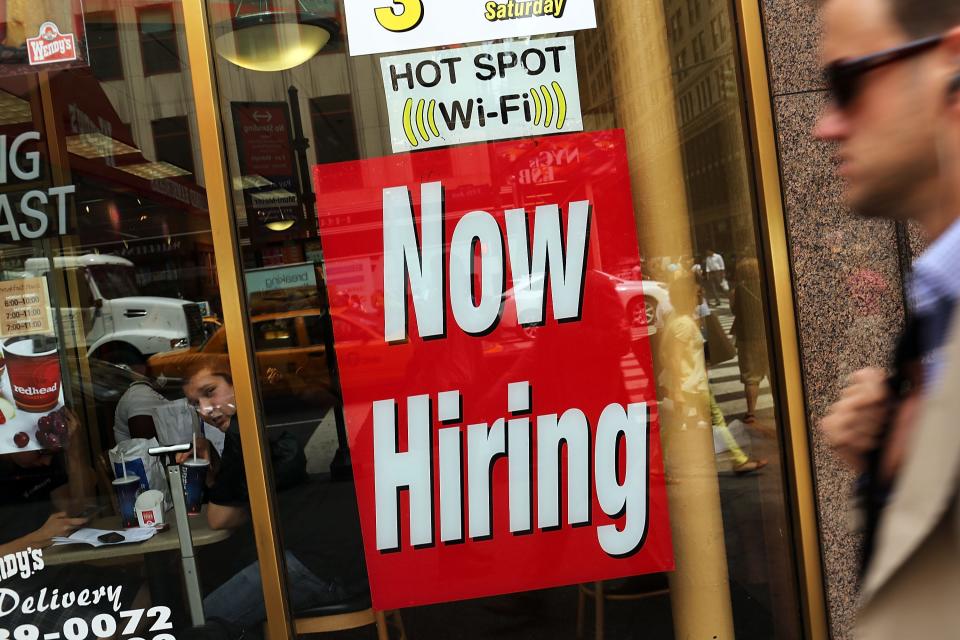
[26, 307]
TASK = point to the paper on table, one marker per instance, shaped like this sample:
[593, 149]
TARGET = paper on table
[89, 536]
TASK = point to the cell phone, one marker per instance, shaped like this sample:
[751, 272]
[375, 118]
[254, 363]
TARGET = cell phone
[173, 448]
[110, 538]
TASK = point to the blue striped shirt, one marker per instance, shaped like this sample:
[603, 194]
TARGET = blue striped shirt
[934, 289]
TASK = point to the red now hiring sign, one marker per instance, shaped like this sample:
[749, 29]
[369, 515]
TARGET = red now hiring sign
[501, 416]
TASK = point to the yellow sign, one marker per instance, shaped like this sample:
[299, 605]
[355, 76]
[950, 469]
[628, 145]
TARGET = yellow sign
[24, 307]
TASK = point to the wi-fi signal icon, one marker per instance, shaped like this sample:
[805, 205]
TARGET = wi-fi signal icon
[547, 104]
[420, 117]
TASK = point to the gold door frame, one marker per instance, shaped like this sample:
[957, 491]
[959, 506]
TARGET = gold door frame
[774, 240]
[766, 170]
[241, 354]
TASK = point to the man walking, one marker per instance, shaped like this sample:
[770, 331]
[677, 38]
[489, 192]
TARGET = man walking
[716, 274]
[893, 68]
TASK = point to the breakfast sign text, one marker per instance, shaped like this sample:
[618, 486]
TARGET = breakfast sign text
[496, 445]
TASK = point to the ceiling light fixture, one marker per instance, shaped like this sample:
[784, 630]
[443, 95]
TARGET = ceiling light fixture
[277, 221]
[262, 37]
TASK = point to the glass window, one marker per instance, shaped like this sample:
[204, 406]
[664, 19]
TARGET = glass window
[719, 30]
[685, 317]
[109, 288]
[699, 51]
[274, 334]
[334, 129]
[158, 39]
[316, 330]
[172, 142]
[103, 43]
[113, 280]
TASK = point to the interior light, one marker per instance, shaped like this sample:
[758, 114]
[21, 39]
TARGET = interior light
[263, 37]
[154, 170]
[278, 221]
[97, 145]
[14, 110]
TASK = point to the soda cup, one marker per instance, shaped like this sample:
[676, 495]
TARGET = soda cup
[194, 480]
[127, 491]
[34, 370]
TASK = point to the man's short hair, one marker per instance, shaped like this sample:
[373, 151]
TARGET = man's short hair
[922, 18]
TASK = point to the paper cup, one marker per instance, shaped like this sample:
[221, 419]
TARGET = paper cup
[150, 511]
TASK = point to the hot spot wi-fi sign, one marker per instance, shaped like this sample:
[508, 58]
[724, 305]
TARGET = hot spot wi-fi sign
[484, 365]
[489, 92]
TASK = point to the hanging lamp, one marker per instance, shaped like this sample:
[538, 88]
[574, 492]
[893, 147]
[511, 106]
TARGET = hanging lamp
[262, 37]
[277, 220]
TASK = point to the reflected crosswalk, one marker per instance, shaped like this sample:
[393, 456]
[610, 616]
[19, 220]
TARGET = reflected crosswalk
[724, 379]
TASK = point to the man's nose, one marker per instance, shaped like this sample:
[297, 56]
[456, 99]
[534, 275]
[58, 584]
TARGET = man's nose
[831, 124]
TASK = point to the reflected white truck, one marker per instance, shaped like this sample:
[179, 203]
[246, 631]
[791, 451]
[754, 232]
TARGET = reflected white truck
[120, 325]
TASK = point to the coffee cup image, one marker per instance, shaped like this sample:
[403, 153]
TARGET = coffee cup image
[33, 368]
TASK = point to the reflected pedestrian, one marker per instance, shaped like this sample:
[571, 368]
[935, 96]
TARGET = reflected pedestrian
[747, 306]
[716, 272]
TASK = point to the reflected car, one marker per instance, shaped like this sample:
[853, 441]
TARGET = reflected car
[290, 360]
[291, 354]
[642, 300]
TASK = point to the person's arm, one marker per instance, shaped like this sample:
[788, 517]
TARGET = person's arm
[224, 517]
[81, 479]
[59, 524]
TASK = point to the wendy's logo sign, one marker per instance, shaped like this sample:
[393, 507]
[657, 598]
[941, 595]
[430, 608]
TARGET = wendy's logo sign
[51, 46]
[502, 420]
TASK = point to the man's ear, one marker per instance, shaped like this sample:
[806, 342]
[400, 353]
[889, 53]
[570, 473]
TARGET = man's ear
[951, 41]
[953, 90]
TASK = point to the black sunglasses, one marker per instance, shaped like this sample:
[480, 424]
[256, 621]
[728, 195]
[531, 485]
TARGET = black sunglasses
[843, 76]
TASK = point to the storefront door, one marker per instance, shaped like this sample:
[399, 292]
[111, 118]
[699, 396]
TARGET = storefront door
[512, 255]
[427, 319]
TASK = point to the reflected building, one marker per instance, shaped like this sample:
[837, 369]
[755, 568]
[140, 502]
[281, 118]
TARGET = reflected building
[703, 57]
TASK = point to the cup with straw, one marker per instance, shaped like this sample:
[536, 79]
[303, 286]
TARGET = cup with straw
[194, 480]
[127, 488]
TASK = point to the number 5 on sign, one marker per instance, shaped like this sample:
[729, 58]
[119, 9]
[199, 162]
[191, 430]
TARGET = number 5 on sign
[409, 16]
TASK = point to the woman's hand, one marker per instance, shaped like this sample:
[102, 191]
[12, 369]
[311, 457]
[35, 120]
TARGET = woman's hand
[72, 421]
[57, 525]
